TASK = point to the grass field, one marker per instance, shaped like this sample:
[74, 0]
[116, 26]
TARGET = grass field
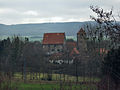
[46, 86]
[23, 86]
[54, 84]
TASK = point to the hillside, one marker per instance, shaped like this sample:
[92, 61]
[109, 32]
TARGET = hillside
[37, 30]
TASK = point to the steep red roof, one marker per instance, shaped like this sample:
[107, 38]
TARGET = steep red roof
[102, 50]
[74, 51]
[53, 38]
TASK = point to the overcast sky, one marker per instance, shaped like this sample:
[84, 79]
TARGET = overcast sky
[39, 11]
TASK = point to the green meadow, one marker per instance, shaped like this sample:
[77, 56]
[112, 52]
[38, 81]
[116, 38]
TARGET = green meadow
[58, 83]
[29, 86]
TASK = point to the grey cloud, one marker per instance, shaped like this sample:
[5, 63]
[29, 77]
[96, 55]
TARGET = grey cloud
[45, 10]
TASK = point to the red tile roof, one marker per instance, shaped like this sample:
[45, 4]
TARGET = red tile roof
[102, 50]
[74, 51]
[53, 38]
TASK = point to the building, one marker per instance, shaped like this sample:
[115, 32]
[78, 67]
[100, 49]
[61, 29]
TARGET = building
[70, 45]
[53, 42]
[60, 50]
[56, 58]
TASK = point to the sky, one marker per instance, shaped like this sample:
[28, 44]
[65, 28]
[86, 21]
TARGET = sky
[42, 11]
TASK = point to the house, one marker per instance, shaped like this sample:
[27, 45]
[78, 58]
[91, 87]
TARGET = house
[102, 50]
[74, 52]
[56, 58]
[60, 58]
[53, 42]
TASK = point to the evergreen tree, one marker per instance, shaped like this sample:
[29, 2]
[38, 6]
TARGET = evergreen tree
[111, 64]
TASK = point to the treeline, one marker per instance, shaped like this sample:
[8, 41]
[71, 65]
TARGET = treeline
[17, 54]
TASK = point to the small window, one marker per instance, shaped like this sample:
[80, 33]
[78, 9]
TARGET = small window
[49, 46]
[54, 45]
[43, 46]
[52, 49]
[58, 50]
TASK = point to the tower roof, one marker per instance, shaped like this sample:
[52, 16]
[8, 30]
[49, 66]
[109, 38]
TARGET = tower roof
[81, 31]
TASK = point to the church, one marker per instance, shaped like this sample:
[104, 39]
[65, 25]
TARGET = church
[58, 48]
[56, 42]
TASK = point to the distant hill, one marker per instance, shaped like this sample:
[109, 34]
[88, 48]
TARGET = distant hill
[36, 31]
[70, 28]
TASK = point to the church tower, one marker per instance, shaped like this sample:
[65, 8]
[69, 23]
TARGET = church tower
[81, 40]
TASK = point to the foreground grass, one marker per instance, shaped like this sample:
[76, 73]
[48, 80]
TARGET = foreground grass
[39, 84]
[13, 85]
[23, 86]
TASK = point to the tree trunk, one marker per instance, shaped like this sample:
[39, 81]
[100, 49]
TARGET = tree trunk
[30, 75]
[39, 75]
[33, 76]
[36, 76]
